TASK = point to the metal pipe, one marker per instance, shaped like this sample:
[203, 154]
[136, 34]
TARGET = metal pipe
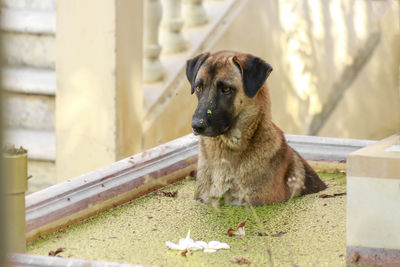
[16, 172]
[3, 226]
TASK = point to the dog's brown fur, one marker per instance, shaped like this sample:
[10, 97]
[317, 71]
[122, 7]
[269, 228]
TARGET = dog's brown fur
[250, 162]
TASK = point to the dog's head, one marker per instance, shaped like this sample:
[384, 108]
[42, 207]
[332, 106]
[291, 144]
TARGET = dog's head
[223, 82]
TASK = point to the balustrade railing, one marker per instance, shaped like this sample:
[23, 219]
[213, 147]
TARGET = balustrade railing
[152, 68]
[163, 23]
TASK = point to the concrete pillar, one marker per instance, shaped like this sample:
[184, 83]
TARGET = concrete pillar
[99, 76]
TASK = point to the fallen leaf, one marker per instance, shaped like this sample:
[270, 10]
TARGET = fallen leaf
[355, 258]
[184, 252]
[54, 253]
[166, 193]
[241, 261]
[334, 195]
[262, 234]
[239, 229]
[242, 223]
[279, 234]
[230, 232]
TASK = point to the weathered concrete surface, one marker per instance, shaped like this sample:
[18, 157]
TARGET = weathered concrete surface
[136, 232]
[372, 224]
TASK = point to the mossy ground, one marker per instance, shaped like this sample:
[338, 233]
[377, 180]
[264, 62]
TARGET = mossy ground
[314, 231]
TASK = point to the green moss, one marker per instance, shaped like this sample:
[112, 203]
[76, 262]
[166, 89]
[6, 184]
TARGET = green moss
[333, 178]
[314, 231]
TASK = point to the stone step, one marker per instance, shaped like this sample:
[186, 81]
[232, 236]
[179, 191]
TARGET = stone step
[33, 50]
[29, 80]
[27, 111]
[41, 145]
[28, 21]
[28, 38]
[39, 5]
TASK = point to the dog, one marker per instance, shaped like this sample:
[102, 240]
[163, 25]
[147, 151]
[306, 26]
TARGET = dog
[243, 156]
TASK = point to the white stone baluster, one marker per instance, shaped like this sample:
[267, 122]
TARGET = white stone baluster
[152, 67]
[170, 34]
[194, 13]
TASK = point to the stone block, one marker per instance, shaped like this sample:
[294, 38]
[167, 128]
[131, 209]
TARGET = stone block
[373, 204]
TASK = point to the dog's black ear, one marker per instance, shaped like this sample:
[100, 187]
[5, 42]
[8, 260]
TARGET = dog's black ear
[254, 72]
[192, 67]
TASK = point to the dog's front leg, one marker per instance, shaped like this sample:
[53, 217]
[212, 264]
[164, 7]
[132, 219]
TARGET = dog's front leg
[203, 184]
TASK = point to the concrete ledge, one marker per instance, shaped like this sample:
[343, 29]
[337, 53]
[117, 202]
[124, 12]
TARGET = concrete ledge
[376, 161]
[373, 256]
[23, 260]
[33, 22]
[325, 148]
[29, 80]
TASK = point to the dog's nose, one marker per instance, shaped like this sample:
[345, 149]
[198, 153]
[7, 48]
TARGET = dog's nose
[198, 126]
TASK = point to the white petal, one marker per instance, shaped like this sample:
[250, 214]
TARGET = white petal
[194, 246]
[172, 245]
[209, 250]
[218, 245]
[188, 235]
[202, 244]
[240, 231]
[223, 246]
[184, 242]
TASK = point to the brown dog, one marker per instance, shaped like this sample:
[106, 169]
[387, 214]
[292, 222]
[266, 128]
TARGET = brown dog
[243, 156]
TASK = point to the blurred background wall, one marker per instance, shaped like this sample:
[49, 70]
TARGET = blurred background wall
[340, 55]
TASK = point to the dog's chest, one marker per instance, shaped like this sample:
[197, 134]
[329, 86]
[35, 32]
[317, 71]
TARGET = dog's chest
[225, 183]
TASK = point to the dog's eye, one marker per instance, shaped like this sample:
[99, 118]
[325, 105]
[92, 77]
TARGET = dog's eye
[199, 88]
[226, 90]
